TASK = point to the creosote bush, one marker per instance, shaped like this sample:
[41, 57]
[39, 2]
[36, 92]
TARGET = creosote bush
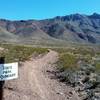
[67, 60]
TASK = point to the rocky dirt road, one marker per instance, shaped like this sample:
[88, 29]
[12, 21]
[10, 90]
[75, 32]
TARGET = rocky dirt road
[34, 82]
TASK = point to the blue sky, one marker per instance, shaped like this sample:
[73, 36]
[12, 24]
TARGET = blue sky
[41, 9]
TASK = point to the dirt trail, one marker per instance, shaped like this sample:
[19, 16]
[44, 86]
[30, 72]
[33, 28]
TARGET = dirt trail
[34, 82]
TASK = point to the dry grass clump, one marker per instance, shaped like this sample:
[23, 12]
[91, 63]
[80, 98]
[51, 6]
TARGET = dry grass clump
[19, 53]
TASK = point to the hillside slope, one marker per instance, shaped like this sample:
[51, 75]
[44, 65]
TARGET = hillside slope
[75, 28]
[7, 36]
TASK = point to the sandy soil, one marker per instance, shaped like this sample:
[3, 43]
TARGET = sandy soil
[34, 82]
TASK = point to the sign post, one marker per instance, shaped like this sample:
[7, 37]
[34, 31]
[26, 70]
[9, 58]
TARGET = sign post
[7, 72]
[2, 61]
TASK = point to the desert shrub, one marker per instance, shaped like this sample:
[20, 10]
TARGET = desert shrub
[97, 65]
[67, 60]
[20, 53]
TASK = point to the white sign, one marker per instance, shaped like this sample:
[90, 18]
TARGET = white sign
[8, 71]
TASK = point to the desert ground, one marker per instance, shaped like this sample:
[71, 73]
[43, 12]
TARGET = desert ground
[35, 83]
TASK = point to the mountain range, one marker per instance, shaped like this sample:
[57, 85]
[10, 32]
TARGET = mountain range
[74, 28]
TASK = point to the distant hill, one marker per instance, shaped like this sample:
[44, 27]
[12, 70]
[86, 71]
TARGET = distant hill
[6, 36]
[75, 28]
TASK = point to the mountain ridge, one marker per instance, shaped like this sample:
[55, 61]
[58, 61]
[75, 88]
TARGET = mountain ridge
[77, 28]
